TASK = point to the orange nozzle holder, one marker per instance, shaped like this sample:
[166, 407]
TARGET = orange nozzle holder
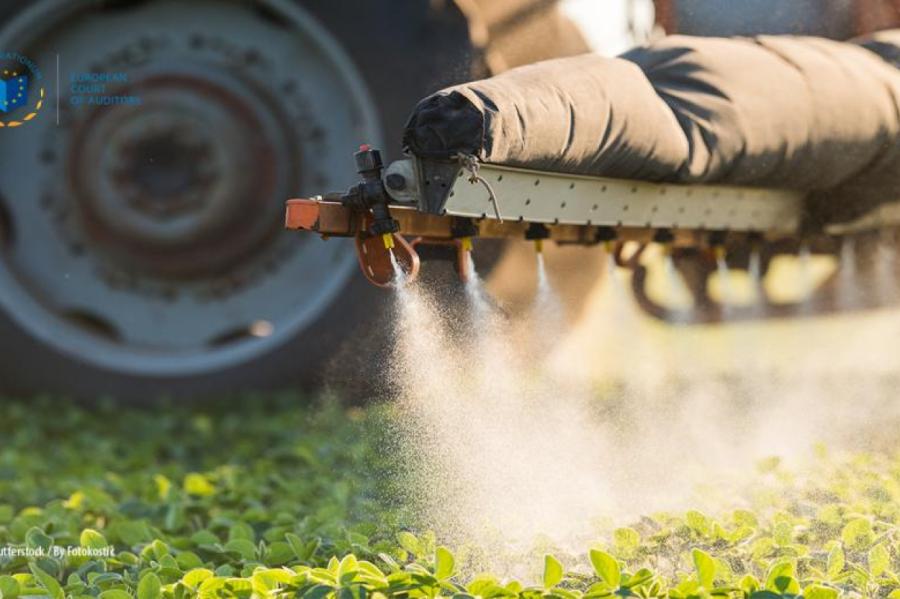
[461, 248]
[375, 258]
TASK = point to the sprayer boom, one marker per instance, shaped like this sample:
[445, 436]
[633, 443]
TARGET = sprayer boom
[450, 202]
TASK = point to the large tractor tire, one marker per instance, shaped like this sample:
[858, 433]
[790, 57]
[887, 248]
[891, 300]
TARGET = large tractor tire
[141, 247]
[142, 251]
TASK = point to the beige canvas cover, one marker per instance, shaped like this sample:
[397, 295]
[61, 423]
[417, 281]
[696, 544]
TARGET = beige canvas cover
[776, 111]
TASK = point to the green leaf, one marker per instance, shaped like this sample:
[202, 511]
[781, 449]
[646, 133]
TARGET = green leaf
[163, 486]
[481, 585]
[817, 591]
[198, 485]
[783, 533]
[698, 522]
[444, 563]
[9, 587]
[210, 586]
[246, 549]
[47, 582]
[348, 566]
[318, 592]
[627, 541]
[193, 578]
[836, 562]
[780, 578]
[858, 534]
[749, 584]
[115, 594]
[745, 518]
[706, 568]
[159, 549]
[279, 553]
[409, 542]
[553, 571]
[35, 537]
[639, 578]
[241, 530]
[130, 533]
[606, 567]
[92, 539]
[204, 537]
[265, 581]
[188, 560]
[149, 587]
[296, 544]
[879, 560]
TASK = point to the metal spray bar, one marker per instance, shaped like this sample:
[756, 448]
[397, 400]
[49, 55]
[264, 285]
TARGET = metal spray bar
[448, 202]
[552, 198]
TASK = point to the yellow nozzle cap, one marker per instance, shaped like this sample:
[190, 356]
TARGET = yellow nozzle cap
[539, 245]
[466, 244]
[719, 252]
[388, 239]
[608, 246]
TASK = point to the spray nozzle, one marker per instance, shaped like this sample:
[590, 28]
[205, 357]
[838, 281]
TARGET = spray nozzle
[716, 241]
[380, 249]
[607, 236]
[464, 229]
[537, 233]
[664, 237]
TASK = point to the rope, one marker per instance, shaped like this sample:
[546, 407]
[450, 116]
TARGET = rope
[470, 164]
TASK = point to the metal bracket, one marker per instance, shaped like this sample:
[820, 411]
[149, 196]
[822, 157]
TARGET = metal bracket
[436, 179]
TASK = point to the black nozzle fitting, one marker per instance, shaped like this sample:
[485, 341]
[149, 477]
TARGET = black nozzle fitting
[664, 236]
[463, 227]
[370, 194]
[717, 238]
[605, 234]
[368, 161]
[537, 231]
[382, 222]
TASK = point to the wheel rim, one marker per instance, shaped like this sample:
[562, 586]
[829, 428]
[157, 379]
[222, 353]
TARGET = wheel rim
[168, 215]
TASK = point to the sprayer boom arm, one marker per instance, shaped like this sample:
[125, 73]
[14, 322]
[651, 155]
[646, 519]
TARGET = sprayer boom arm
[333, 219]
[503, 201]
[450, 201]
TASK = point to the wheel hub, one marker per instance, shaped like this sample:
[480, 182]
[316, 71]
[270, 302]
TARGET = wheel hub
[186, 179]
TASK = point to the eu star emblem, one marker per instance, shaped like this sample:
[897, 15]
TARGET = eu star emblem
[13, 93]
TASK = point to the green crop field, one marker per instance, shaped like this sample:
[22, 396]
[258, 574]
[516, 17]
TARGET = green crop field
[278, 497]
